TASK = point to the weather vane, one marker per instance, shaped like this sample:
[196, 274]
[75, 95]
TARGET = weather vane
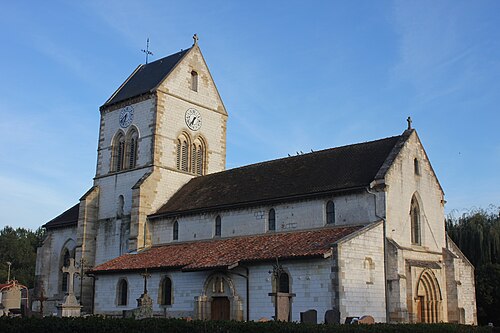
[147, 51]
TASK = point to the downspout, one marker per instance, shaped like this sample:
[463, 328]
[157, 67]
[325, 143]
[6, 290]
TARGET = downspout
[384, 225]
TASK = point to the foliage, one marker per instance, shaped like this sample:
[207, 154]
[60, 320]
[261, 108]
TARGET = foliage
[100, 324]
[18, 246]
[477, 234]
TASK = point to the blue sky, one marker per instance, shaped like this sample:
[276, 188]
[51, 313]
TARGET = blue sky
[301, 75]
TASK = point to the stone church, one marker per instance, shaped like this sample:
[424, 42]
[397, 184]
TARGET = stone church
[348, 231]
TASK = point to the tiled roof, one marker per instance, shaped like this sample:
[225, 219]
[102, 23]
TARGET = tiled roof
[67, 219]
[145, 78]
[222, 253]
[326, 171]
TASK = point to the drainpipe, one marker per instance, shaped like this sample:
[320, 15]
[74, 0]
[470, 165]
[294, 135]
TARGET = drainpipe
[247, 277]
[385, 252]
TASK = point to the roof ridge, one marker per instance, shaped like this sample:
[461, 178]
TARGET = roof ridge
[317, 152]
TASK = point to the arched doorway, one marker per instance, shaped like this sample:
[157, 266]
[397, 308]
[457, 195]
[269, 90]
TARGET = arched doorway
[219, 300]
[428, 300]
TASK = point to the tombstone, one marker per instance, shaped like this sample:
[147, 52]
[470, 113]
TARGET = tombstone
[145, 302]
[309, 317]
[70, 307]
[332, 317]
[366, 320]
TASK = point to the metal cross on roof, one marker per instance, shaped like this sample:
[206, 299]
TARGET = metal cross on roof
[195, 39]
[409, 122]
[147, 51]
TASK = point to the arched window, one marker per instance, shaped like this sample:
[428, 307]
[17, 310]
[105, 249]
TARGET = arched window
[330, 212]
[166, 291]
[175, 235]
[415, 222]
[284, 283]
[272, 220]
[183, 144]
[416, 167]
[65, 276]
[132, 149]
[218, 226]
[194, 81]
[122, 292]
[119, 152]
[198, 157]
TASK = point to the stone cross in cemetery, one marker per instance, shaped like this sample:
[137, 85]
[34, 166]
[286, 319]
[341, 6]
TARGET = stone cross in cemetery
[70, 307]
[144, 303]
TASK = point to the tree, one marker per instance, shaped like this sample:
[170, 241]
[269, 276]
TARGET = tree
[18, 246]
[477, 234]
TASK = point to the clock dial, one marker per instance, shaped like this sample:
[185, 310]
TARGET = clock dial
[193, 119]
[126, 116]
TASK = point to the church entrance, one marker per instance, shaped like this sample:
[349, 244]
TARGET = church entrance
[428, 300]
[220, 308]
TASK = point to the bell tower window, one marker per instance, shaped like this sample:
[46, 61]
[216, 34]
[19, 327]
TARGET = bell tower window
[194, 81]
[119, 152]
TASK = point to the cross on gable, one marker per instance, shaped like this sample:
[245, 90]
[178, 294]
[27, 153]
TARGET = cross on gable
[71, 269]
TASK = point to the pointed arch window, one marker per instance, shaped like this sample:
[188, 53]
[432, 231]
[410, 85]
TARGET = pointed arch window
[122, 292]
[198, 157]
[194, 81]
[132, 149]
[415, 222]
[182, 158]
[272, 220]
[175, 235]
[218, 226]
[330, 212]
[166, 291]
[119, 152]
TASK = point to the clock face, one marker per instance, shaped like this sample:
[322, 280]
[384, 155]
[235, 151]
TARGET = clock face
[126, 116]
[193, 119]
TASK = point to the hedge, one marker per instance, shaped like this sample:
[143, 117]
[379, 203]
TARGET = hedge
[154, 325]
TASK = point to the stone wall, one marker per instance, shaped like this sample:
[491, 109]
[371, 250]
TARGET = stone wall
[361, 284]
[349, 209]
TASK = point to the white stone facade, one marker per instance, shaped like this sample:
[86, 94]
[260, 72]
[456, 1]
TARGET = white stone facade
[379, 270]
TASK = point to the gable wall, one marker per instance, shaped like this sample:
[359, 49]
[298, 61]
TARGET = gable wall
[402, 183]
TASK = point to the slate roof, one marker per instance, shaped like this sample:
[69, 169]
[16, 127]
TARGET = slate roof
[145, 78]
[226, 252]
[327, 171]
[67, 219]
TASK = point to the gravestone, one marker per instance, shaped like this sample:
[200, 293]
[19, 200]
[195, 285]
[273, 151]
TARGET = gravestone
[332, 317]
[366, 320]
[309, 317]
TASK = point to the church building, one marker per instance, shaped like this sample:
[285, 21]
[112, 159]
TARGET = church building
[348, 231]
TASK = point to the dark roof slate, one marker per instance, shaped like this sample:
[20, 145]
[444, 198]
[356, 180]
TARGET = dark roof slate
[67, 219]
[145, 78]
[327, 171]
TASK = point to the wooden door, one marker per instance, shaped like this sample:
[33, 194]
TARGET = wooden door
[220, 308]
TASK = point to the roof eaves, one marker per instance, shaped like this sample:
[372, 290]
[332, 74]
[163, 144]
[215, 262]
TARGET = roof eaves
[252, 203]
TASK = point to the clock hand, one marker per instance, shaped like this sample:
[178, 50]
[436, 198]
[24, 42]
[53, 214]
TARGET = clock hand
[192, 121]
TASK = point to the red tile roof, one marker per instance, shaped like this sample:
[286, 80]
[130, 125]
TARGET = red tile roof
[221, 253]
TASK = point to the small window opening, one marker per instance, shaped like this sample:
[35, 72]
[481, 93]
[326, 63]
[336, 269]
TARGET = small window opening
[330, 212]
[176, 231]
[166, 291]
[416, 167]
[284, 283]
[122, 292]
[218, 226]
[194, 81]
[272, 220]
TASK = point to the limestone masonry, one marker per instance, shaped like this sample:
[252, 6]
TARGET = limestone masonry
[352, 231]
